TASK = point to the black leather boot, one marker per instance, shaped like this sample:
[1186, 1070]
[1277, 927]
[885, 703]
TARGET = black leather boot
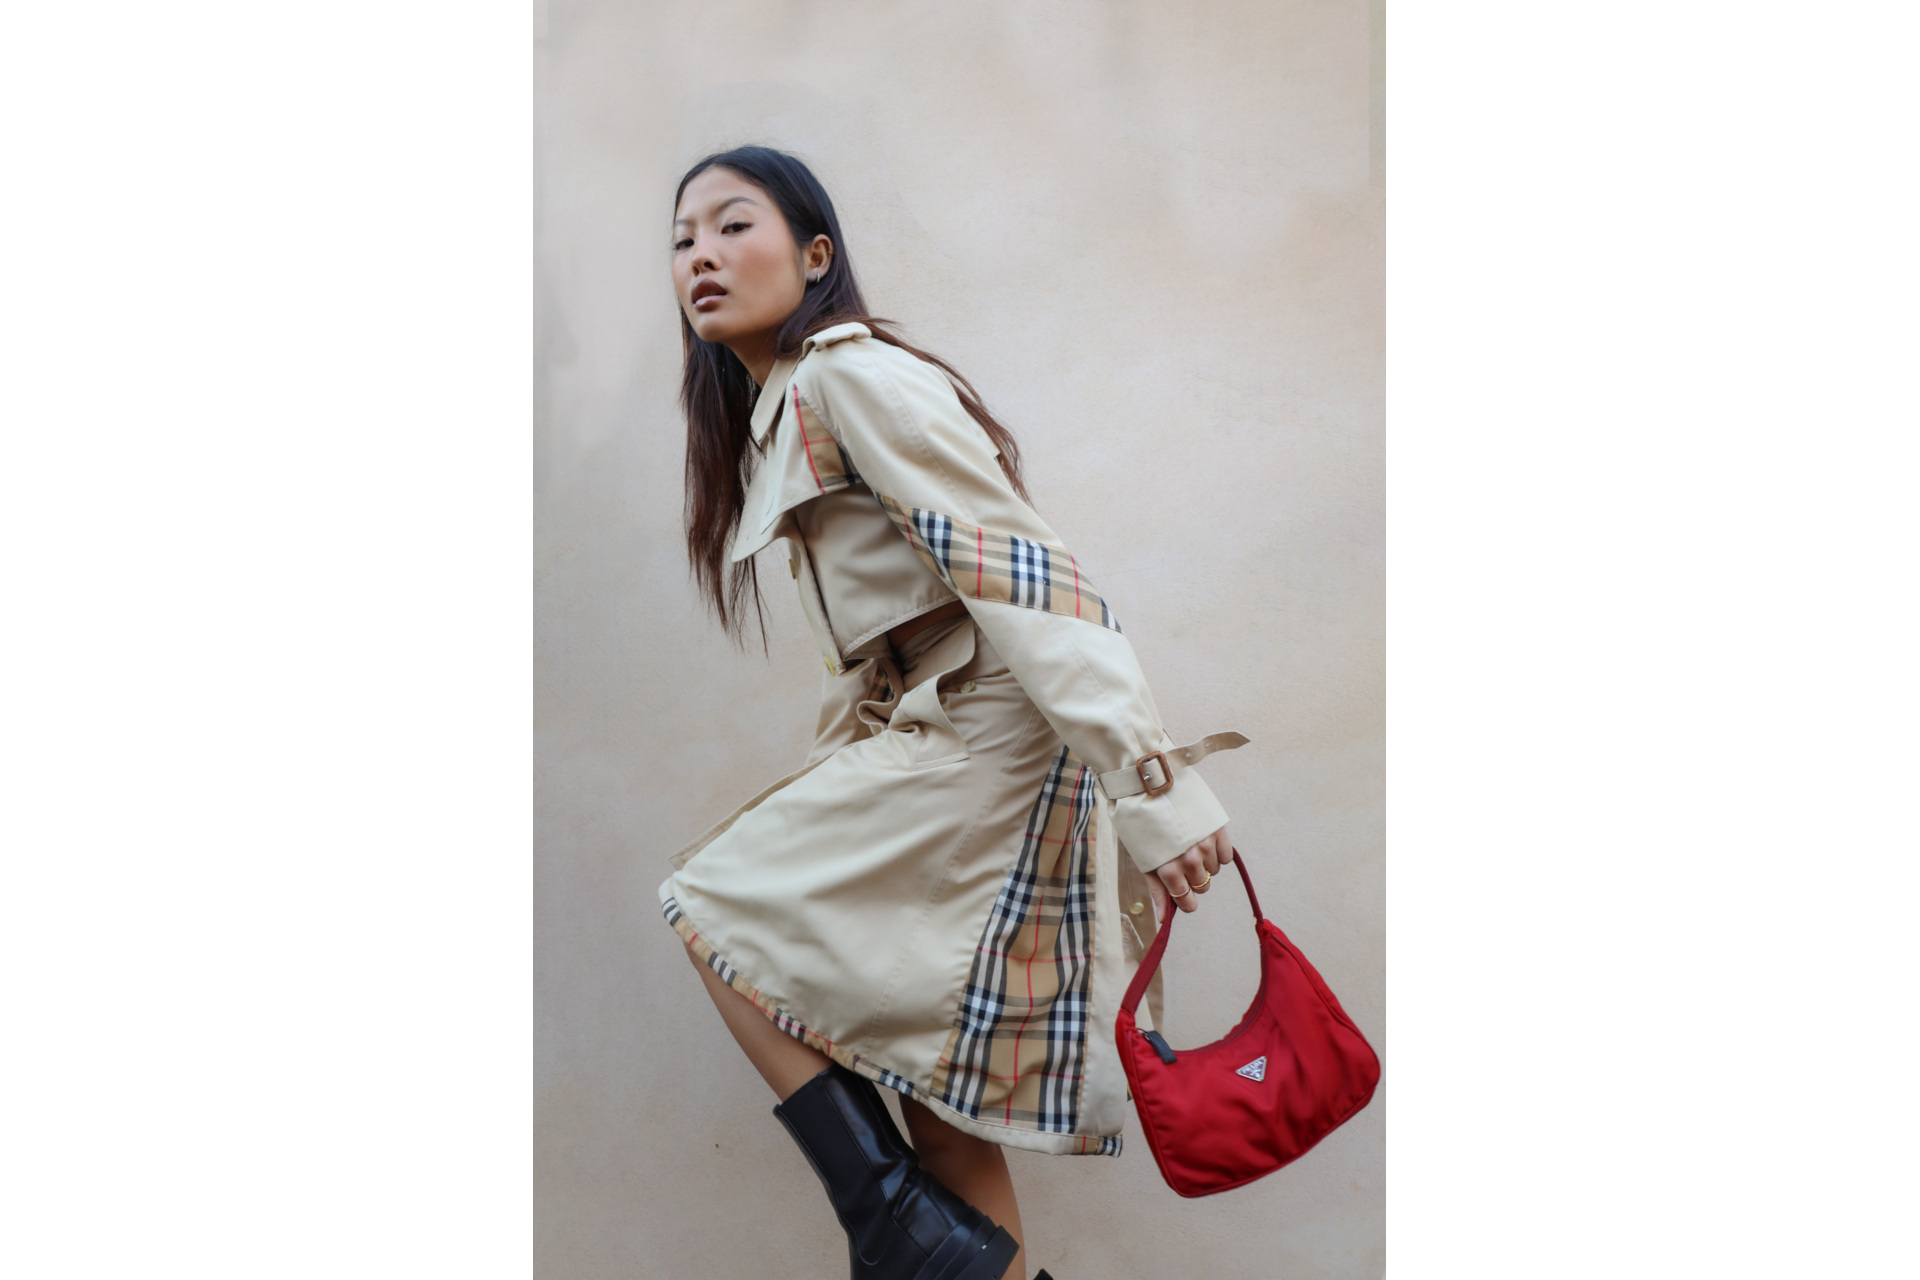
[902, 1223]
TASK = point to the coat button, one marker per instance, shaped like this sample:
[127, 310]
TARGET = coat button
[967, 687]
[1136, 908]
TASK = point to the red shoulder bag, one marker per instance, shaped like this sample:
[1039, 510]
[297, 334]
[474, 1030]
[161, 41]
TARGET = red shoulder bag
[1293, 1071]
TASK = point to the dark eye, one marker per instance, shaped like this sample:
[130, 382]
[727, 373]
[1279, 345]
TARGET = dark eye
[678, 245]
[735, 226]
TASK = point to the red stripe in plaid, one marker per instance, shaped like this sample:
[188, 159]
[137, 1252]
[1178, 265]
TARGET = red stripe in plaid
[1018, 1053]
[832, 469]
[986, 565]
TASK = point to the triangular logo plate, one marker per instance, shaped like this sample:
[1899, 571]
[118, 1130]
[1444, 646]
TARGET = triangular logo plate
[1255, 1070]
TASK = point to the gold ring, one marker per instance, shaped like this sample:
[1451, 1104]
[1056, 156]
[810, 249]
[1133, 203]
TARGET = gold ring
[1204, 883]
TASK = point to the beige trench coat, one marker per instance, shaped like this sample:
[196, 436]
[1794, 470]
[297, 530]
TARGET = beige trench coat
[948, 897]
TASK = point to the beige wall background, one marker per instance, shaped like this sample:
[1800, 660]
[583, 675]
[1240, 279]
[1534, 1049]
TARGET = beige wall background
[1151, 233]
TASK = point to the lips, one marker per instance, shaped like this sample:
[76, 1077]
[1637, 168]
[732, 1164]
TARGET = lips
[704, 290]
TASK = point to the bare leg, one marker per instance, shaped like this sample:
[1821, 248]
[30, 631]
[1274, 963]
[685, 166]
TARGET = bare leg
[783, 1062]
[972, 1168]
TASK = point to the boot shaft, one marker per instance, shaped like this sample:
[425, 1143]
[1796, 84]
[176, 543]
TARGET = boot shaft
[902, 1223]
[844, 1130]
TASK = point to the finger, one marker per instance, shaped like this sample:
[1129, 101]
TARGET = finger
[1196, 867]
[1222, 845]
[1211, 855]
[1179, 890]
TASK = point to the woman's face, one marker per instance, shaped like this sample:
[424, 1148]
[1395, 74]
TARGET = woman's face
[736, 270]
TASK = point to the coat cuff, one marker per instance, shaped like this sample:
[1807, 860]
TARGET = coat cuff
[1158, 829]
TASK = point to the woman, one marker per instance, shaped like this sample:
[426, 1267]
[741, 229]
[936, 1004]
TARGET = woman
[934, 902]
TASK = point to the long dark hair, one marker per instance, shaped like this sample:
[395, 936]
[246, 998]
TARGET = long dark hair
[717, 393]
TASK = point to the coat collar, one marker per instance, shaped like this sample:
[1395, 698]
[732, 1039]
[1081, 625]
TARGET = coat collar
[767, 407]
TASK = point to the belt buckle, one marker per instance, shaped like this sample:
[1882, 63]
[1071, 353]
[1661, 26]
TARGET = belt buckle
[1166, 771]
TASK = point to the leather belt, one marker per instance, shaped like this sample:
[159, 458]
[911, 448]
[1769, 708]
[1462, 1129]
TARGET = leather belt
[1153, 773]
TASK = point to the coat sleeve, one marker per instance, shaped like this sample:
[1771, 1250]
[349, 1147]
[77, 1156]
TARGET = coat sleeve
[937, 474]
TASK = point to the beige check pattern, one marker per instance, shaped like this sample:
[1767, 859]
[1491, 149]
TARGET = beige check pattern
[987, 565]
[832, 469]
[1017, 1055]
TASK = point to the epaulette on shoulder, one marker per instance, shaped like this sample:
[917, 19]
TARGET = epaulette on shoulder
[839, 333]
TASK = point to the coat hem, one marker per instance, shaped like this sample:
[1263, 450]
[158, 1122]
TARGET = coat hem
[1073, 1144]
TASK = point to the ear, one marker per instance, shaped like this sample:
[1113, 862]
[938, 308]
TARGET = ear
[817, 257]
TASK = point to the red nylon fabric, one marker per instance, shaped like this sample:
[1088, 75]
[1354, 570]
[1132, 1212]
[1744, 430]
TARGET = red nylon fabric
[1212, 1127]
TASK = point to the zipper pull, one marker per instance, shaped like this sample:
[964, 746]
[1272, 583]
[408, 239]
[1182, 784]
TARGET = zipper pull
[1161, 1047]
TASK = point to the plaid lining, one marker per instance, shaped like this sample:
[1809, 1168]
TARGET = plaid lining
[1017, 1054]
[832, 469]
[999, 566]
[704, 952]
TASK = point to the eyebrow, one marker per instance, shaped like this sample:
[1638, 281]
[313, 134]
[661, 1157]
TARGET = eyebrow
[680, 222]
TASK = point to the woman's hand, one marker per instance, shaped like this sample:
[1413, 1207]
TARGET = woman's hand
[1183, 879]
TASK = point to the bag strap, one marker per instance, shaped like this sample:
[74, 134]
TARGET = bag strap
[1150, 963]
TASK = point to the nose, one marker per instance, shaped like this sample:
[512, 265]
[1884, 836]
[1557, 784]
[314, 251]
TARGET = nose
[702, 260]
